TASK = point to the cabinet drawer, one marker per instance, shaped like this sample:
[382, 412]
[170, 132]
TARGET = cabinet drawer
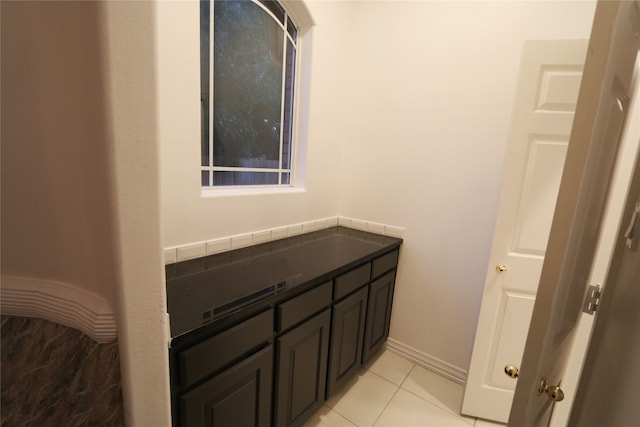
[216, 352]
[352, 280]
[384, 263]
[303, 306]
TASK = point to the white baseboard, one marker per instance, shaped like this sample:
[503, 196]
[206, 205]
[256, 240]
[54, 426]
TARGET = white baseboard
[60, 303]
[429, 362]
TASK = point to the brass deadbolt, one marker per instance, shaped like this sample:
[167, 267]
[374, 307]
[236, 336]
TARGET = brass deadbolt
[501, 268]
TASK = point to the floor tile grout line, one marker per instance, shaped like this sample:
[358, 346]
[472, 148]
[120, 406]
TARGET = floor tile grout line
[362, 371]
[385, 406]
[389, 381]
[471, 421]
[383, 378]
[408, 375]
[445, 409]
[343, 417]
[397, 386]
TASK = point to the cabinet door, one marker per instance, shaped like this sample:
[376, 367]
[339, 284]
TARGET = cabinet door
[378, 314]
[238, 397]
[302, 370]
[347, 332]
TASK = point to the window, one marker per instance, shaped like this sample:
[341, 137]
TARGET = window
[247, 83]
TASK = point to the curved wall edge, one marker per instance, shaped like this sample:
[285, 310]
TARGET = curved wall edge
[61, 303]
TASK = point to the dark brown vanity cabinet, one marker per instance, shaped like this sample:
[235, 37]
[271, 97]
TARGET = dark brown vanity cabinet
[276, 360]
[348, 323]
[239, 396]
[302, 370]
[227, 379]
[347, 332]
[301, 360]
[378, 315]
[383, 273]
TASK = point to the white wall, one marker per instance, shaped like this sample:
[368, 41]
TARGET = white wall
[188, 217]
[433, 88]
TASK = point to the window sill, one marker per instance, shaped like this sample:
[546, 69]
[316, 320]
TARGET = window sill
[249, 191]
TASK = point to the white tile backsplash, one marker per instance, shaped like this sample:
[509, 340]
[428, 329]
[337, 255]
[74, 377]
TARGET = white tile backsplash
[321, 224]
[308, 227]
[344, 221]
[393, 231]
[212, 247]
[194, 250]
[241, 241]
[294, 230]
[218, 245]
[332, 222]
[261, 237]
[374, 227]
[170, 255]
[279, 233]
[358, 224]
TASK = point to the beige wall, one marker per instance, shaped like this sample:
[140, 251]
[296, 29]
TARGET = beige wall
[57, 193]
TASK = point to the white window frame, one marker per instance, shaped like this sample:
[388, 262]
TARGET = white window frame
[295, 184]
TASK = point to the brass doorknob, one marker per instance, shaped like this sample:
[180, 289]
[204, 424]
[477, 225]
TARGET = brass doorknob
[501, 268]
[511, 371]
[554, 392]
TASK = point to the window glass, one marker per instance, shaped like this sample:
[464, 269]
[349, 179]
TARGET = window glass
[204, 82]
[244, 178]
[247, 119]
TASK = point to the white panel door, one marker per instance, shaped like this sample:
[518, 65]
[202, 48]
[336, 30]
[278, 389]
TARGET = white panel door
[548, 87]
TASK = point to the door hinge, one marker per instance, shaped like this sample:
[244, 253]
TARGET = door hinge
[592, 300]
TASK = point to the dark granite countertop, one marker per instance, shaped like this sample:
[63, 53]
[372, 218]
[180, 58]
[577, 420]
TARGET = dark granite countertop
[211, 290]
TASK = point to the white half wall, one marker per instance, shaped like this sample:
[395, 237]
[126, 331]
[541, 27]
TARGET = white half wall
[431, 93]
[129, 34]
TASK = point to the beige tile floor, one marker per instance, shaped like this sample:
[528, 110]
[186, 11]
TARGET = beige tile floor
[394, 392]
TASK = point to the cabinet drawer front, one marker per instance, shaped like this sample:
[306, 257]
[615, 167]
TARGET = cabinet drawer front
[352, 280]
[303, 306]
[384, 263]
[216, 352]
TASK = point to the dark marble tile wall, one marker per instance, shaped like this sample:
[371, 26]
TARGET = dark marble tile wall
[53, 375]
